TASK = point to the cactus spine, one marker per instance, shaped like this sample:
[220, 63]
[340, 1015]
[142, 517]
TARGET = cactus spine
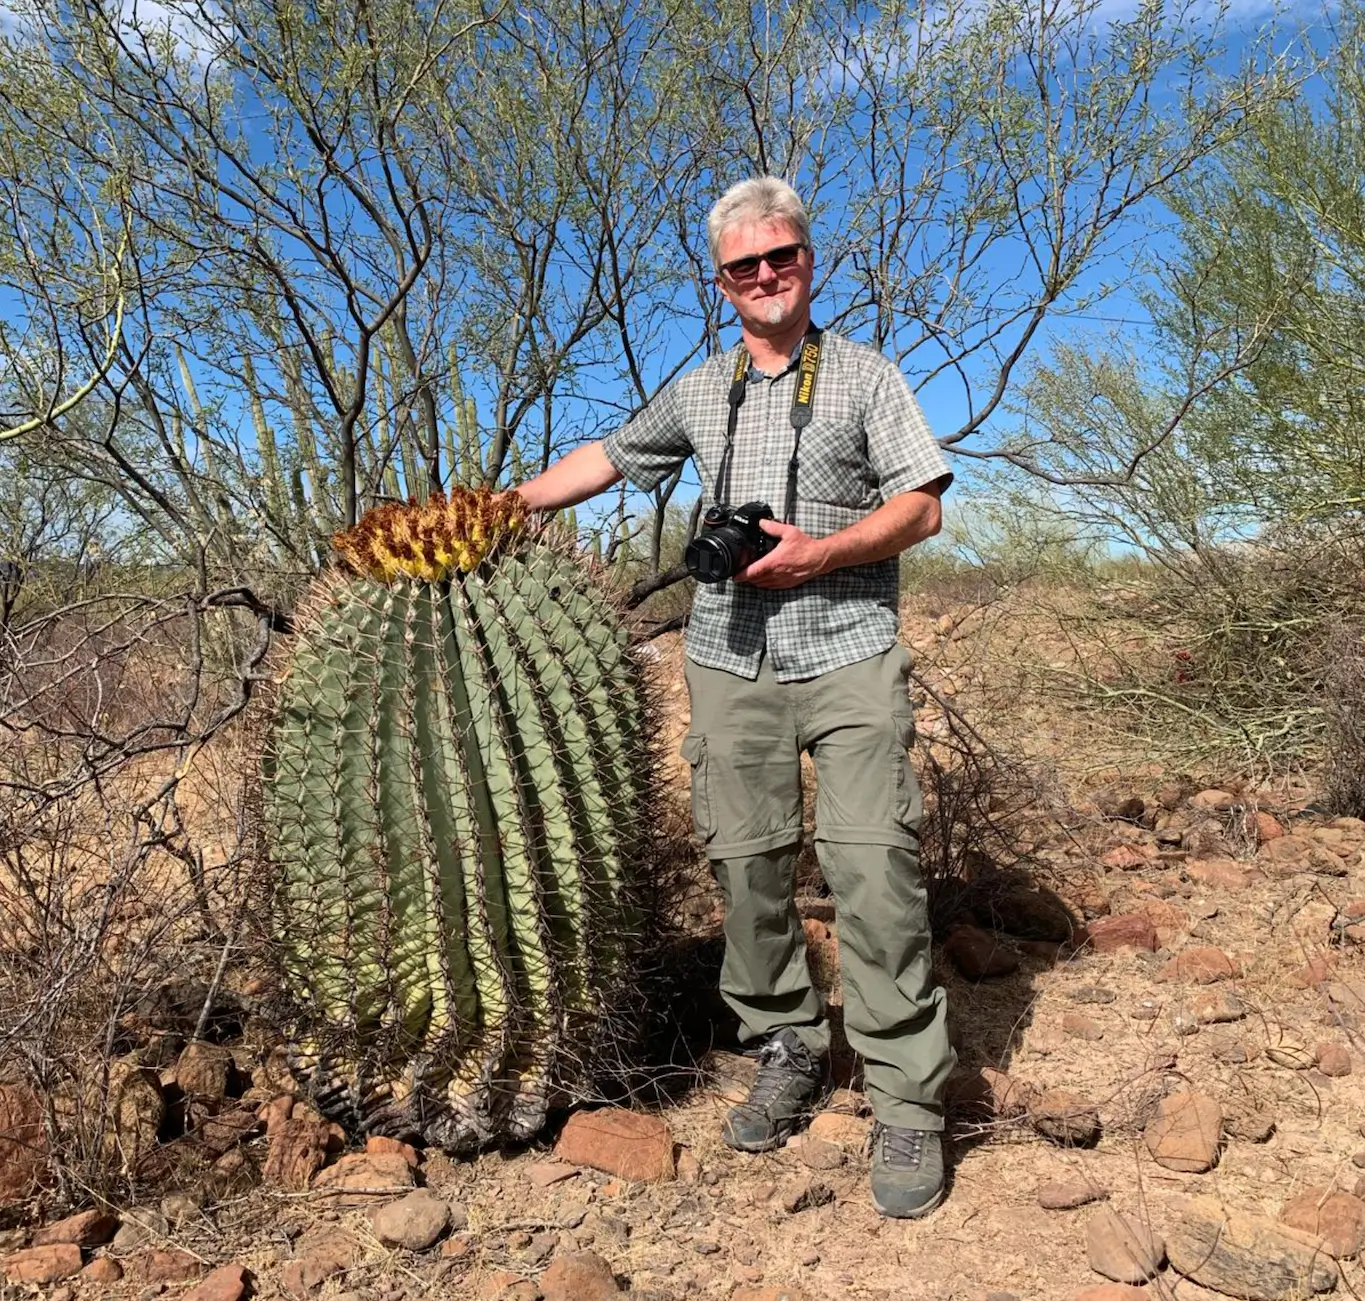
[457, 799]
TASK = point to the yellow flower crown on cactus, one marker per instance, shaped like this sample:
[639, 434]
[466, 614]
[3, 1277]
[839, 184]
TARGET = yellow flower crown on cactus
[432, 541]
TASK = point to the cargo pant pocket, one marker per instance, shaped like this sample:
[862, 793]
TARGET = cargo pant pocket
[693, 749]
[906, 802]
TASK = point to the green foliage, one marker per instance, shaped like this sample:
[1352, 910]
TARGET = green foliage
[458, 798]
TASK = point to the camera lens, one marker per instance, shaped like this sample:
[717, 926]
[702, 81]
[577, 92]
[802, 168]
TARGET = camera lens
[709, 558]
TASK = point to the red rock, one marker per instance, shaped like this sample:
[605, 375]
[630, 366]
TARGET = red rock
[1067, 1195]
[977, 954]
[1186, 1132]
[103, 1271]
[1288, 855]
[1008, 1097]
[322, 1252]
[502, 1285]
[1124, 858]
[298, 1150]
[542, 1174]
[226, 1283]
[380, 1143]
[579, 1276]
[204, 1070]
[1124, 931]
[1122, 1249]
[162, 1267]
[769, 1294]
[413, 1222]
[1065, 1118]
[1218, 873]
[274, 1113]
[1080, 1026]
[1114, 1292]
[849, 1132]
[1333, 1059]
[88, 1229]
[359, 1177]
[43, 1264]
[1337, 1218]
[628, 1144]
[220, 1133]
[1214, 801]
[1267, 828]
[1202, 965]
[23, 1145]
[1317, 970]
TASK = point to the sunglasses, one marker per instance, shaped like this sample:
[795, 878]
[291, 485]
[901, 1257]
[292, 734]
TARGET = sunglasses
[779, 258]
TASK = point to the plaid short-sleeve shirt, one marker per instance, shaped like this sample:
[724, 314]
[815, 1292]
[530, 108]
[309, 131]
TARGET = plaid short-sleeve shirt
[866, 443]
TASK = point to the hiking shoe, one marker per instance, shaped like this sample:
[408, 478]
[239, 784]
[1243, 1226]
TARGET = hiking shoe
[785, 1090]
[907, 1171]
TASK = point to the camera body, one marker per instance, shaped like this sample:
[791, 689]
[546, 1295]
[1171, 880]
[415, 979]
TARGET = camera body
[729, 539]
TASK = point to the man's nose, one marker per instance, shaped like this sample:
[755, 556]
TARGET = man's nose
[766, 275]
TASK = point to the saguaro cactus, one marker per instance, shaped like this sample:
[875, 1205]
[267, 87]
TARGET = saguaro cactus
[457, 802]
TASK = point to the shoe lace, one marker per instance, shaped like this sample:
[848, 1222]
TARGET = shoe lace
[777, 1063]
[901, 1148]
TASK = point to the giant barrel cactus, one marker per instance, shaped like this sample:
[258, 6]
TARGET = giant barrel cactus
[456, 800]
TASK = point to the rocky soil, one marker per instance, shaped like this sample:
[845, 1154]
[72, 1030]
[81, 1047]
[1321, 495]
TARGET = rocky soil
[1159, 1095]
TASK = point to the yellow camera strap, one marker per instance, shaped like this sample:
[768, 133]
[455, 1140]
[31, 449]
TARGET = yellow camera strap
[803, 410]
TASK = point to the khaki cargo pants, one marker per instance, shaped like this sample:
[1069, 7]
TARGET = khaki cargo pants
[744, 747]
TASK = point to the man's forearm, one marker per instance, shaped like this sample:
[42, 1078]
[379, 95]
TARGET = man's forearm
[893, 527]
[584, 473]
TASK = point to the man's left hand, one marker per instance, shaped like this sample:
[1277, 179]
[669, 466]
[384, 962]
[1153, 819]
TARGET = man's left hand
[796, 559]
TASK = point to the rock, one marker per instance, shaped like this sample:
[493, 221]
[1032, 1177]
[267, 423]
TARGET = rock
[628, 1144]
[1065, 1118]
[1080, 1026]
[817, 1154]
[1170, 921]
[1337, 1218]
[43, 1264]
[977, 954]
[1113, 1292]
[162, 1267]
[1215, 1007]
[322, 1252]
[1008, 1098]
[849, 1132]
[1068, 1194]
[226, 1283]
[1120, 808]
[413, 1222]
[1333, 1059]
[1122, 1250]
[23, 1145]
[88, 1229]
[1245, 1255]
[1218, 873]
[230, 1176]
[1120, 932]
[1185, 1133]
[298, 1150]
[1124, 858]
[1291, 855]
[1033, 915]
[359, 1177]
[769, 1294]
[142, 1226]
[1318, 970]
[1251, 1127]
[579, 1276]
[103, 1271]
[1291, 1056]
[274, 1113]
[1213, 801]
[544, 1174]
[136, 1108]
[379, 1143]
[1267, 827]
[1092, 994]
[1202, 965]
[806, 1195]
[219, 1133]
[204, 1070]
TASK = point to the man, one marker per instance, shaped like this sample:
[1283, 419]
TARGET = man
[798, 652]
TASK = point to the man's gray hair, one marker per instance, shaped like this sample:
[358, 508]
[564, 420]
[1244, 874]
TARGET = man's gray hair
[762, 198]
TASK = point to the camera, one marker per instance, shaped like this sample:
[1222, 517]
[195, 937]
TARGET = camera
[730, 538]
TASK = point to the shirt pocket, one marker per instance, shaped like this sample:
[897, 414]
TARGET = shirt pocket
[834, 466]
